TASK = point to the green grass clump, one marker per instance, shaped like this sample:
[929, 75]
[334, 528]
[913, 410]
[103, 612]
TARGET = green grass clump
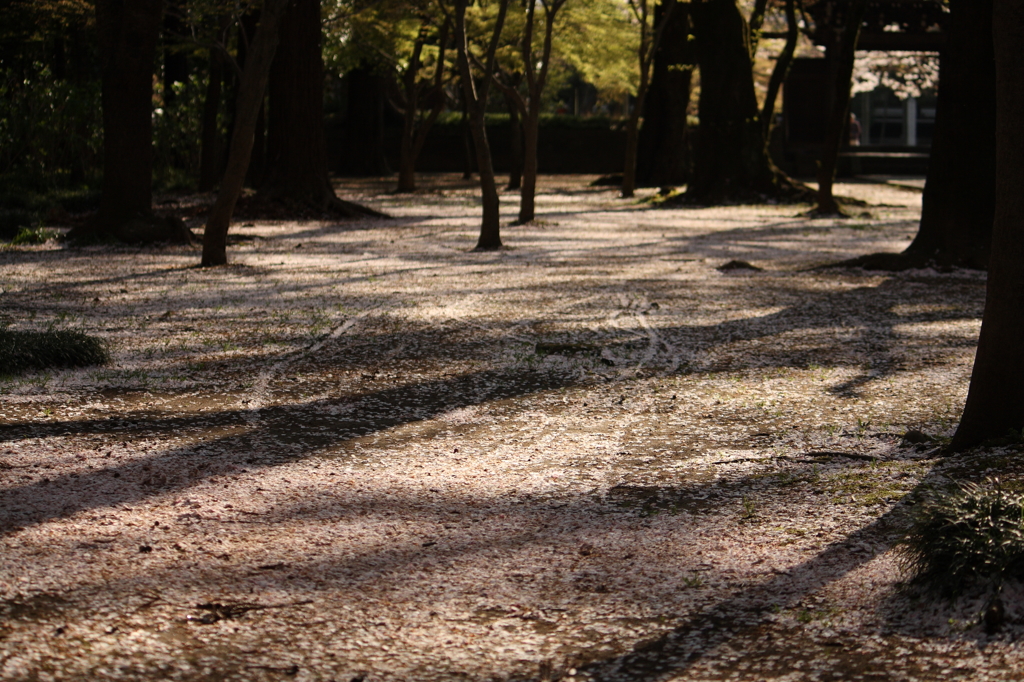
[971, 533]
[33, 235]
[20, 351]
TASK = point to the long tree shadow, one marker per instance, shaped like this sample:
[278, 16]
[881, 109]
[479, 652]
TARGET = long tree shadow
[741, 623]
[257, 438]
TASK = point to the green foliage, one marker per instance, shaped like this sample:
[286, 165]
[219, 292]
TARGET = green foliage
[177, 131]
[966, 534]
[33, 235]
[49, 129]
[23, 350]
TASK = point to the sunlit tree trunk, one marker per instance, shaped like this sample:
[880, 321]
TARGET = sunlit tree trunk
[476, 101]
[250, 97]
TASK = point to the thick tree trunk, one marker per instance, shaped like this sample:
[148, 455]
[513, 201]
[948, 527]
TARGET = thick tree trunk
[663, 155]
[959, 195]
[296, 145]
[296, 172]
[210, 153]
[843, 51]
[250, 96]
[127, 44]
[364, 123]
[731, 157]
[995, 402]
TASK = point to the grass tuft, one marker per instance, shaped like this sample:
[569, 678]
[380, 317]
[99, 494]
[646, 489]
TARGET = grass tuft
[33, 235]
[969, 534]
[20, 350]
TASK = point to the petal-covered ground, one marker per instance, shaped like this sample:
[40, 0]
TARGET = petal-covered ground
[364, 452]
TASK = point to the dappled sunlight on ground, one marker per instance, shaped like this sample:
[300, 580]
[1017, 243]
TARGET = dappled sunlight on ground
[362, 451]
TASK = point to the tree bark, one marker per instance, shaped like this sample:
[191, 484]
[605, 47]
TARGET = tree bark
[843, 48]
[414, 132]
[364, 122]
[128, 34]
[296, 173]
[781, 70]
[995, 401]
[650, 40]
[476, 101]
[958, 205]
[663, 154]
[731, 156]
[250, 96]
[959, 194]
[515, 139]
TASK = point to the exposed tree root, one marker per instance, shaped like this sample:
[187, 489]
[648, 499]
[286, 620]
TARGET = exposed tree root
[271, 208]
[142, 229]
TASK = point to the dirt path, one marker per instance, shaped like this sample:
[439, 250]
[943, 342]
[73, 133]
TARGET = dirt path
[363, 452]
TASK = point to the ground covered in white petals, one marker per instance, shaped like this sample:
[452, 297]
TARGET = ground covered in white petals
[364, 452]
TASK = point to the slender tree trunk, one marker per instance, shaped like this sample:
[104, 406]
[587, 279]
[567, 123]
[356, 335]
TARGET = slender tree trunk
[632, 137]
[528, 192]
[468, 152]
[250, 95]
[210, 163]
[995, 402]
[515, 139]
[476, 100]
[406, 162]
[413, 136]
[258, 160]
[959, 195]
[128, 32]
[843, 47]
[781, 70]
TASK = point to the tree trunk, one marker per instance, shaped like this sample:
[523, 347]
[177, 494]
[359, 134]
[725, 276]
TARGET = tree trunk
[731, 156]
[415, 136]
[250, 95]
[632, 135]
[515, 139]
[210, 163]
[781, 70]
[995, 402]
[528, 192]
[296, 173]
[364, 122]
[476, 101]
[959, 195]
[663, 154]
[842, 53]
[468, 152]
[127, 44]
[297, 147]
